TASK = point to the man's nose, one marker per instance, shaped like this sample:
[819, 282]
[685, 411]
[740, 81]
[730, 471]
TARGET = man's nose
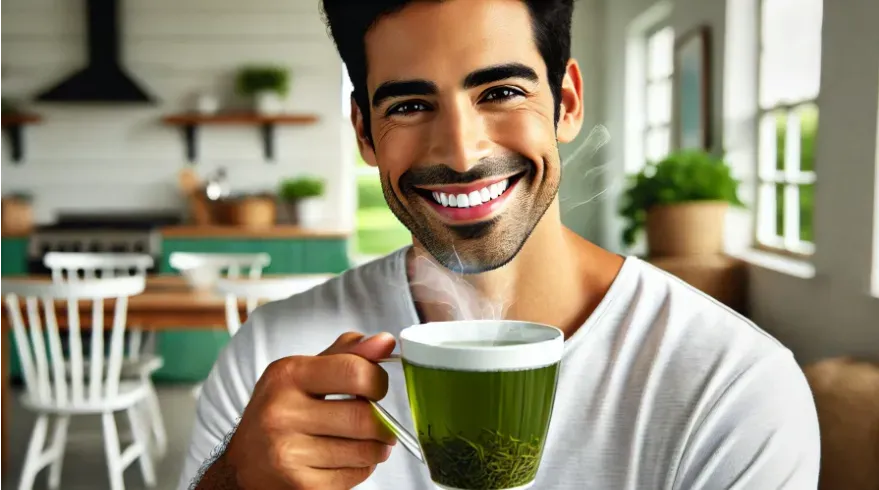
[460, 140]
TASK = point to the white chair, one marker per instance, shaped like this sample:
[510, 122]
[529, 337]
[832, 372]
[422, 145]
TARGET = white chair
[254, 291]
[139, 359]
[204, 269]
[54, 393]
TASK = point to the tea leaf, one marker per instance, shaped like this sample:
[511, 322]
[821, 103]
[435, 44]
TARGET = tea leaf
[493, 461]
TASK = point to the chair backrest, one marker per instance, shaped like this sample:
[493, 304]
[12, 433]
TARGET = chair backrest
[76, 386]
[67, 265]
[231, 264]
[257, 290]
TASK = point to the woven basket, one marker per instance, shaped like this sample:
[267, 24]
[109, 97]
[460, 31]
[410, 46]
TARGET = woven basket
[687, 229]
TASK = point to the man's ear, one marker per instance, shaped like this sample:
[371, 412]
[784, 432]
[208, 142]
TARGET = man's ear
[364, 144]
[571, 101]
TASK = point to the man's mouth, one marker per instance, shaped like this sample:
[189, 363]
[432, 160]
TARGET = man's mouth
[471, 202]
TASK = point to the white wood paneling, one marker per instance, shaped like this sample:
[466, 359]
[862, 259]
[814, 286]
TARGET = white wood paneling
[95, 156]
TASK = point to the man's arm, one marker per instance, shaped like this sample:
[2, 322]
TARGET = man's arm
[761, 433]
[224, 396]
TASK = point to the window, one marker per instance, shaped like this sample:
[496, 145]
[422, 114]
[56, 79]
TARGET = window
[378, 232]
[658, 97]
[788, 85]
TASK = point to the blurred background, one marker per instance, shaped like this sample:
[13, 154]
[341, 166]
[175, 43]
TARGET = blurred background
[730, 142]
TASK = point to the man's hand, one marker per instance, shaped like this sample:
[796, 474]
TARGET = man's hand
[290, 437]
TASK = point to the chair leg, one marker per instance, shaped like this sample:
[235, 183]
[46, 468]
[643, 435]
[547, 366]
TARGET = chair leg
[59, 443]
[141, 438]
[156, 421]
[114, 456]
[34, 450]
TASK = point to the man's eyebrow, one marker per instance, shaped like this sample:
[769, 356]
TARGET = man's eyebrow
[399, 88]
[499, 72]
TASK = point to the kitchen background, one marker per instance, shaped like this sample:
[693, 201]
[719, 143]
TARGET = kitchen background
[141, 175]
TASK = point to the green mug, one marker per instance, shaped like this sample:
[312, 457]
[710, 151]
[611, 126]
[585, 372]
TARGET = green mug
[481, 395]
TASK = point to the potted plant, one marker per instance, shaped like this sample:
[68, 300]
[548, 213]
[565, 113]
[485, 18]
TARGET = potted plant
[681, 202]
[267, 85]
[303, 196]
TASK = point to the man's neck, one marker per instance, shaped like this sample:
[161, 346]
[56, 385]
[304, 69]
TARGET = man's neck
[557, 278]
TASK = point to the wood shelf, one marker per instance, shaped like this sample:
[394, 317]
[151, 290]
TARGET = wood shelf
[13, 126]
[191, 121]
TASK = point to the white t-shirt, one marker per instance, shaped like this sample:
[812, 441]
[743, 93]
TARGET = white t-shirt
[661, 388]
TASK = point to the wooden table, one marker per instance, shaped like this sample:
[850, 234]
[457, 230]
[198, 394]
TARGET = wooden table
[167, 303]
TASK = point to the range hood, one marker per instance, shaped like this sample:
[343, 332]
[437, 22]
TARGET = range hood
[103, 79]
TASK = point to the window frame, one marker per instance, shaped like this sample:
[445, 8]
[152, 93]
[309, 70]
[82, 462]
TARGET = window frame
[648, 82]
[784, 244]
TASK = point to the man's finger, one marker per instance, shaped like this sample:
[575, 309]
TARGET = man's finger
[336, 453]
[343, 343]
[341, 374]
[350, 419]
[379, 346]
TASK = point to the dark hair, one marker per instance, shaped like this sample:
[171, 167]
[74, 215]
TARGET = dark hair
[349, 21]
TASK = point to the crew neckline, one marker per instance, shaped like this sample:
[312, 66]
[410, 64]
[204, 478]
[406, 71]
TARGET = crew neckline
[630, 264]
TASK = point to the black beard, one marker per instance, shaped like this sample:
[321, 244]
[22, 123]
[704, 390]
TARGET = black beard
[470, 249]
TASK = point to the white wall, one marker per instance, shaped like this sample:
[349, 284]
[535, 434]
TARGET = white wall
[90, 157]
[833, 312]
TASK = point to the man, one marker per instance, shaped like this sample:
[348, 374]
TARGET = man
[461, 105]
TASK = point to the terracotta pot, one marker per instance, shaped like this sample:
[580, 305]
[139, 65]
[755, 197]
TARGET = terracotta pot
[254, 212]
[17, 216]
[694, 228]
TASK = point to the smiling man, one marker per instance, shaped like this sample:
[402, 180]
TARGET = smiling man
[461, 104]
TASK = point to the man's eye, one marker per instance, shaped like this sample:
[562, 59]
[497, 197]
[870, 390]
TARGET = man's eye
[405, 108]
[501, 94]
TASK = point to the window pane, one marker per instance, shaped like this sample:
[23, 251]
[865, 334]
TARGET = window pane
[657, 145]
[771, 156]
[807, 208]
[378, 230]
[808, 131]
[660, 52]
[767, 217]
[790, 62]
[779, 209]
[780, 138]
[659, 103]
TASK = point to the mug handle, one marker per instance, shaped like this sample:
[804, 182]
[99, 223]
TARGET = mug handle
[406, 438]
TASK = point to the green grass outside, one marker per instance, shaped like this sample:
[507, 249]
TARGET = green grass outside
[378, 230]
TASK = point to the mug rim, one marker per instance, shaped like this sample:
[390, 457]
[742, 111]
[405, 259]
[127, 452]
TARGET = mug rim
[544, 345]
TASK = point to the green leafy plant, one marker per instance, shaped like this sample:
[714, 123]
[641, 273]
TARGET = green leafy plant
[301, 188]
[259, 78]
[684, 176]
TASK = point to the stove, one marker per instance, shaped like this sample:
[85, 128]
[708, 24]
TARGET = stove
[109, 233]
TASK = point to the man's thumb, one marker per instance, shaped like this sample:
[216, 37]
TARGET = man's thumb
[379, 346]
[372, 348]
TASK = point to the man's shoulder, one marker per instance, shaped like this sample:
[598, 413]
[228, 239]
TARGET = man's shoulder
[368, 298]
[698, 321]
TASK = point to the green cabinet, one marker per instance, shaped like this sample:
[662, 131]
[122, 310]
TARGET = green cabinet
[14, 256]
[189, 355]
[14, 263]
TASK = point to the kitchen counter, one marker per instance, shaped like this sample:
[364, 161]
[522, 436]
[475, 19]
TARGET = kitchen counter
[18, 234]
[279, 231]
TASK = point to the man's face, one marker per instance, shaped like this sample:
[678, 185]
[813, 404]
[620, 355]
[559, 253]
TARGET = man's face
[463, 127]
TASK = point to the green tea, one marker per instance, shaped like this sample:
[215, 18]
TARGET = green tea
[481, 430]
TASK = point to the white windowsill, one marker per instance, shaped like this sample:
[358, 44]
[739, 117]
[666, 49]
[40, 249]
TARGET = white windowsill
[779, 263]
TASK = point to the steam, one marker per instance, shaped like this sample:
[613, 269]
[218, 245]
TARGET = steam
[440, 287]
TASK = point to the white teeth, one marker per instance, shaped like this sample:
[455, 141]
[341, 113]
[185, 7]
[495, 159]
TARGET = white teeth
[474, 198]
